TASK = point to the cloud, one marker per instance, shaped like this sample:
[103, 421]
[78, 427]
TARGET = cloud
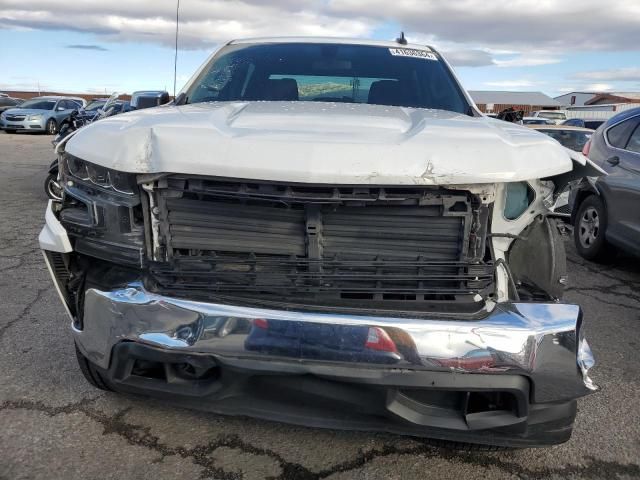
[97, 48]
[468, 58]
[631, 74]
[497, 27]
[576, 25]
[598, 87]
[527, 61]
[511, 84]
[203, 23]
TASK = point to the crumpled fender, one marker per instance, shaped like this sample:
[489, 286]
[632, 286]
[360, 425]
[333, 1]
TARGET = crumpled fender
[582, 168]
[59, 147]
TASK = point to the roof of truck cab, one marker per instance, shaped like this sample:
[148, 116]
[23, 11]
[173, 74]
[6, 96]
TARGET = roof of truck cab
[335, 40]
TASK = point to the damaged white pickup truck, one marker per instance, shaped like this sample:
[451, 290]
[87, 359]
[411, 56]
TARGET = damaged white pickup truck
[325, 232]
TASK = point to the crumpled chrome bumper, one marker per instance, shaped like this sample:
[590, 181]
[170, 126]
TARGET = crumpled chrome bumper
[541, 342]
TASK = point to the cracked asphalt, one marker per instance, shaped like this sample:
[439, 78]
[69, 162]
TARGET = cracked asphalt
[53, 425]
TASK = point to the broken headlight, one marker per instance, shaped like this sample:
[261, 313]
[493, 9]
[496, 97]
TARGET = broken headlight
[519, 196]
[77, 169]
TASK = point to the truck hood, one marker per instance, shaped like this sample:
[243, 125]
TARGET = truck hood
[330, 143]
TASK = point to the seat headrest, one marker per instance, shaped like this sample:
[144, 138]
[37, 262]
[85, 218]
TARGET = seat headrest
[281, 89]
[387, 92]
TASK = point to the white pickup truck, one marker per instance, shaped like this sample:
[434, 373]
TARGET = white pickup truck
[325, 232]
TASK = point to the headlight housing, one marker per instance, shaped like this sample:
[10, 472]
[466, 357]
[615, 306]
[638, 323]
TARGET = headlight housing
[518, 197]
[75, 168]
[35, 116]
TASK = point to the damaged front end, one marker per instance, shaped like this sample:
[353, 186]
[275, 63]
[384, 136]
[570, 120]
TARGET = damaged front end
[425, 310]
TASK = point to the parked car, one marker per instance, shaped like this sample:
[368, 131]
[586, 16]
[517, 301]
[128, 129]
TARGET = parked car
[605, 211]
[325, 232]
[92, 109]
[7, 102]
[579, 122]
[555, 116]
[574, 138]
[537, 121]
[40, 114]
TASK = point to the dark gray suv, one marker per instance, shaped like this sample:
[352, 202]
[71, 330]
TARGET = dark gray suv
[606, 212]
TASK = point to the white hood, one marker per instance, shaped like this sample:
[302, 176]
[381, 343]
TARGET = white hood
[331, 143]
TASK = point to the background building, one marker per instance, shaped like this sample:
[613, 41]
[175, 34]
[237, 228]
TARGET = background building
[579, 99]
[495, 101]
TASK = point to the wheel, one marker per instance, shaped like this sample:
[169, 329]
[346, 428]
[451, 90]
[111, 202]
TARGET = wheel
[589, 230]
[90, 372]
[8, 130]
[51, 127]
[52, 188]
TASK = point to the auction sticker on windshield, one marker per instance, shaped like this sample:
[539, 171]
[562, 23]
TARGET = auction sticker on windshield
[411, 52]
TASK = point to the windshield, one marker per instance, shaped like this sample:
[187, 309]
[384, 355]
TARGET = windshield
[329, 73]
[552, 115]
[37, 104]
[573, 139]
[95, 105]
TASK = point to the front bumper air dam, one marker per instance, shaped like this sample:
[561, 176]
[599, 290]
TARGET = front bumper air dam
[322, 369]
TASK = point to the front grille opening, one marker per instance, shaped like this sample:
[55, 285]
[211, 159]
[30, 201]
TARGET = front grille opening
[398, 296]
[465, 402]
[356, 296]
[490, 401]
[149, 369]
[458, 207]
[189, 371]
[329, 246]
[446, 400]
[185, 371]
[463, 410]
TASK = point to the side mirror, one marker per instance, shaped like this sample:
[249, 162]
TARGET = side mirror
[149, 99]
[60, 109]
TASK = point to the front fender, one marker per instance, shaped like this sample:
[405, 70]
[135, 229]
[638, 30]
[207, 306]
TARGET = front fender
[582, 168]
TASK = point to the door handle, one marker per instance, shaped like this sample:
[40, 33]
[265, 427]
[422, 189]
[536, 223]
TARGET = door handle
[613, 161]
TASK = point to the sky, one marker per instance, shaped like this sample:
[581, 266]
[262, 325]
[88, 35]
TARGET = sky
[553, 46]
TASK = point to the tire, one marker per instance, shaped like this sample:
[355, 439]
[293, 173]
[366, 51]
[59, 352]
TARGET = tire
[51, 128]
[90, 372]
[52, 188]
[589, 230]
[8, 130]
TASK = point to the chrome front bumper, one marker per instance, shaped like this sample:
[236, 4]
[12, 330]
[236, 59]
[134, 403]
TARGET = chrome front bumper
[542, 342]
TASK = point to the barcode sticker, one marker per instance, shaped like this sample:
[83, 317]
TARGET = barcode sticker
[411, 52]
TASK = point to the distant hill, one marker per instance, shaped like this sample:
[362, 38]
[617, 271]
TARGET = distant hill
[318, 90]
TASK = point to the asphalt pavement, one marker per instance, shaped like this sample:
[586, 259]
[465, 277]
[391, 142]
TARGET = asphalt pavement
[53, 425]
